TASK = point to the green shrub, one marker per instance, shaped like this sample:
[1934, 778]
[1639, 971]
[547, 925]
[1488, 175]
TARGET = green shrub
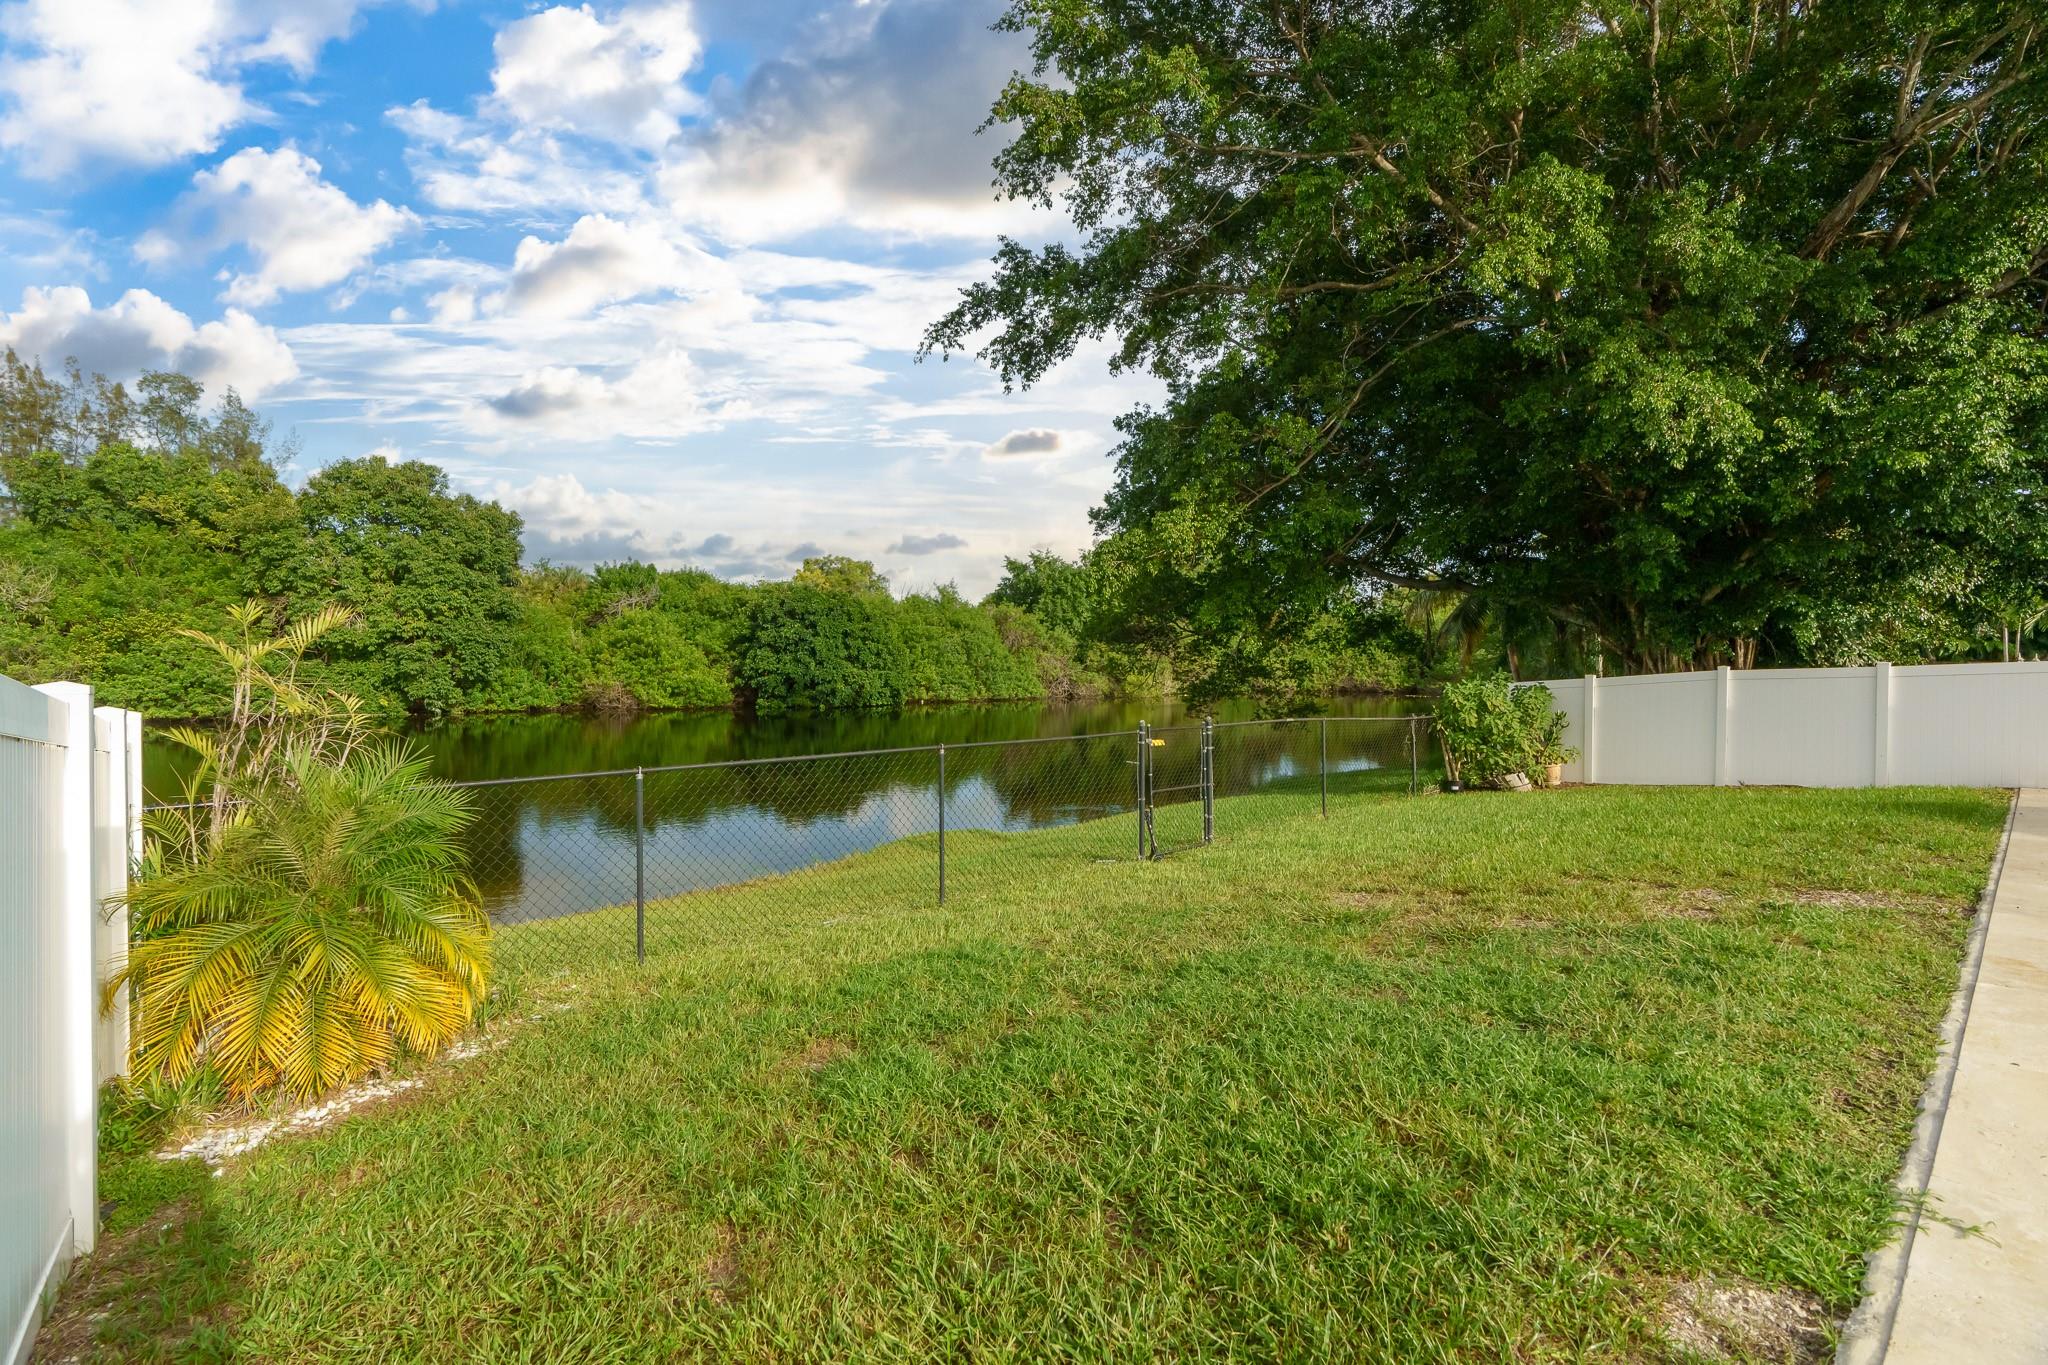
[322, 929]
[1491, 729]
[809, 649]
[645, 652]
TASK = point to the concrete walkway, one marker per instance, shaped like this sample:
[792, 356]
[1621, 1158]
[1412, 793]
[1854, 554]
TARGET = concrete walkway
[1968, 1279]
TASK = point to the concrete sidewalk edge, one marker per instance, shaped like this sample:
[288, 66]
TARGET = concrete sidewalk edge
[1866, 1336]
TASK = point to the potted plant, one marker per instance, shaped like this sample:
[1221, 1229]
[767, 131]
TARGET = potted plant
[1548, 743]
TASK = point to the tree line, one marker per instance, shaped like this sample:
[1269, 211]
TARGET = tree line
[130, 514]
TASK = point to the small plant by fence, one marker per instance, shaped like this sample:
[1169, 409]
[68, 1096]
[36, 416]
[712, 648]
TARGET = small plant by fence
[586, 868]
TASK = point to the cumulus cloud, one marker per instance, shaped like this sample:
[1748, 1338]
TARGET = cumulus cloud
[869, 122]
[618, 77]
[144, 81]
[453, 305]
[1029, 441]
[139, 331]
[570, 523]
[552, 392]
[661, 397]
[926, 545]
[601, 261]
[300, 231]
[472, 165]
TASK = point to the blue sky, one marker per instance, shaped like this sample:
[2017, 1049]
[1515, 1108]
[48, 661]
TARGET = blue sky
[652, 274]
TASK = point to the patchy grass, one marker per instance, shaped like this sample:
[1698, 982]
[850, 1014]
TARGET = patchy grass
[1474, 1078]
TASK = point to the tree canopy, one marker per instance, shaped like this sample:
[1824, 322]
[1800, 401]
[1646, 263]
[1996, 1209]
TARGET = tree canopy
[1697, 326]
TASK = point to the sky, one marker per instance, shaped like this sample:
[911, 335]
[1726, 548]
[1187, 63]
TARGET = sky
[652, 275]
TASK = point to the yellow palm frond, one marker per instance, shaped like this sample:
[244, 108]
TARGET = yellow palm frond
[327, 929]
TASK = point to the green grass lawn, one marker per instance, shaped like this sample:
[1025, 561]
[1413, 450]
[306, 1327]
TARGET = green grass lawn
[1474, 1078]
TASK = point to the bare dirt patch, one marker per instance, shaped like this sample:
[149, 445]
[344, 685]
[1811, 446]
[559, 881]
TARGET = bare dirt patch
[1695, 902]
[819, 1053]
[1878, 900]
[1737, 1320]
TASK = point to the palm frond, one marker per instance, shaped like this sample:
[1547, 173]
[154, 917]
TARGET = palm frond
[325, 927]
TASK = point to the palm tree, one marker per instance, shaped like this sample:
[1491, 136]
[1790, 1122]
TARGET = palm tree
[269, 710]
[326, 926]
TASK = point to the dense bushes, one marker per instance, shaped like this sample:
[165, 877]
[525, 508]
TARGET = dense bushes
[1492, 729]
[812, 649]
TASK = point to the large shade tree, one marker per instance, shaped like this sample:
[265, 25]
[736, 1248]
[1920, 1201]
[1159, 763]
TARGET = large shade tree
[1696, 326]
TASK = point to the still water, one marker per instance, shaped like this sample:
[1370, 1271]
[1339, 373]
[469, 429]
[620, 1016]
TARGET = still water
[548, 848]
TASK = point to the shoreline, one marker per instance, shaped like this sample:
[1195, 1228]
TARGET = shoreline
[740, 709]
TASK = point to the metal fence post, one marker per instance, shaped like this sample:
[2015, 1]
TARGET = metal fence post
[1144, 757]
[942, 824]
[1208, 777]
[1323, 760]
[639, 864]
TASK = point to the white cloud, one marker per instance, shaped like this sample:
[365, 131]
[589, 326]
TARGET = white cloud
[771, 519]
[661, 398]
[557, 391]
[601, 261]
[617, 77]
[300, 231]
[870, 123]
[43, 245]
[453, 305]
[139, 331]
[473, 165]
[144, 81]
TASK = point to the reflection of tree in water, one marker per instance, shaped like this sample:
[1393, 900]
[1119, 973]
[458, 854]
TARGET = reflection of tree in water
[1042, 784]
[553, 846]
[1037, 783]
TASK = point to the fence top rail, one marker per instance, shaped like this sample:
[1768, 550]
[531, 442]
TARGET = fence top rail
[796, 758]
[742, 762]
[1308, 720]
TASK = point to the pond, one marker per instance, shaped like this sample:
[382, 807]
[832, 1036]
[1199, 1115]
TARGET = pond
[563, 826]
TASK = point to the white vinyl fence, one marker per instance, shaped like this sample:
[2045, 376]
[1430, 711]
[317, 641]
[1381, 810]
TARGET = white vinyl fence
[1969, 725]
[70, 807]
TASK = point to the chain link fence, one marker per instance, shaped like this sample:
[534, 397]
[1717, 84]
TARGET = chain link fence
[591, 868]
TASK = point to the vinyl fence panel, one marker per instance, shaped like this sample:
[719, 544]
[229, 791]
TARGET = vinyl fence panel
[1973, 725]
[62, 848]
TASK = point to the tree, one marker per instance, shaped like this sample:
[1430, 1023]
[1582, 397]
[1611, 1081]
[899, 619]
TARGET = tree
[1063, 594]
[326, 927]
[429, 574]
[1697, 326]
[810, 649]
[837, 573]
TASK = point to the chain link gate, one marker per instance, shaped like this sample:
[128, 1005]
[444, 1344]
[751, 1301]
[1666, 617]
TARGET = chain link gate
[1166, 756]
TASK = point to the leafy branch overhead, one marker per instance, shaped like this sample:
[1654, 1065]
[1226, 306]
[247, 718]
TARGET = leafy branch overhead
[1702, 326]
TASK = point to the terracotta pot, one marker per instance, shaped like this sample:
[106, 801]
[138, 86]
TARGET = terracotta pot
[1553, 776]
